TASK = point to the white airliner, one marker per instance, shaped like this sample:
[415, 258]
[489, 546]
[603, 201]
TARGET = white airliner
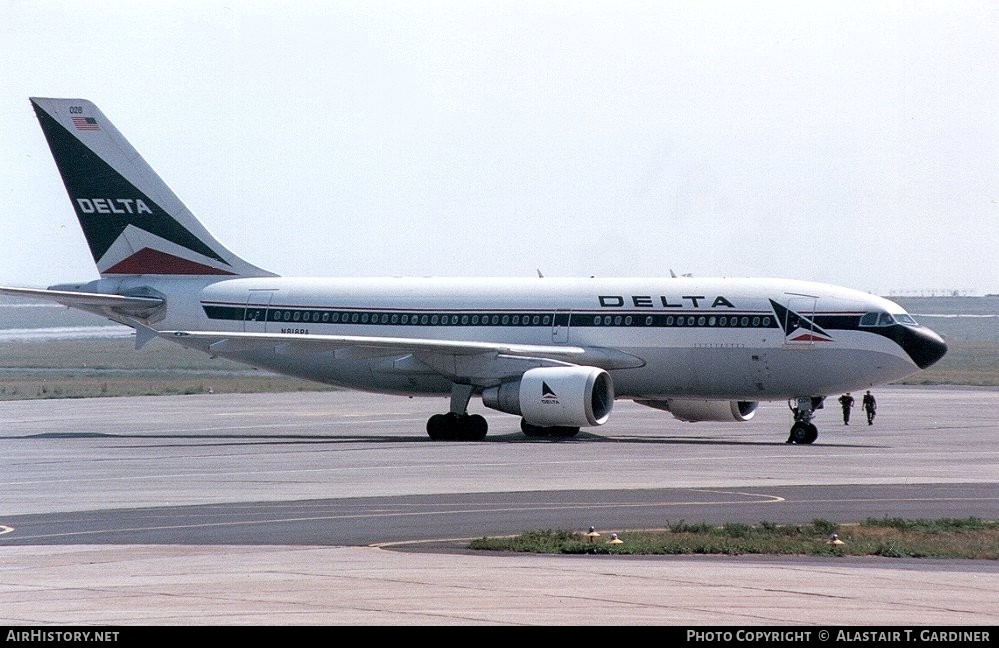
[557, 352]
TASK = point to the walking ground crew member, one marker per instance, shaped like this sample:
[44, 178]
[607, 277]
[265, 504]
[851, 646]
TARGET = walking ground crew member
[846, 400]
[870, 406]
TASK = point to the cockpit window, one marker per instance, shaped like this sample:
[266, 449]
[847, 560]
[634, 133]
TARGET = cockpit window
[869, 319]
[886, 319]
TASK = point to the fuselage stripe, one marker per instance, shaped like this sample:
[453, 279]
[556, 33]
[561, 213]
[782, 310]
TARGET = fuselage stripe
[492, 317]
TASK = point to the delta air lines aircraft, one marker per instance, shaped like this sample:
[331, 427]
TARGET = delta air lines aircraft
[556, 352]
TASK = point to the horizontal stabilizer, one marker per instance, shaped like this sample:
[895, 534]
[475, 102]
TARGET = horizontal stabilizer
[120, 304]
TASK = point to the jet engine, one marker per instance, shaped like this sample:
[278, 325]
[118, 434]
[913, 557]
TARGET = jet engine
[556, 396]
[692, 410]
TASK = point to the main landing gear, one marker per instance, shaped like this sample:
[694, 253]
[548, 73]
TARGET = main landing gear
[458, 424]
[554, 432]
[457, 427]
[803, 431]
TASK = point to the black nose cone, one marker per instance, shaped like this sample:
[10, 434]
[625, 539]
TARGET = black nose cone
[924, 346]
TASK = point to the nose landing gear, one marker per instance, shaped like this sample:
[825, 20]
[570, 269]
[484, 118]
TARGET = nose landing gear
[803, 431]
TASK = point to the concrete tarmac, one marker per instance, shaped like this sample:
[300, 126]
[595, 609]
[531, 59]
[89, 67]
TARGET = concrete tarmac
[68, 463]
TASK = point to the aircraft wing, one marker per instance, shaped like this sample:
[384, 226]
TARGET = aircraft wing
[99, 303]
[236, 340]
[486, 360]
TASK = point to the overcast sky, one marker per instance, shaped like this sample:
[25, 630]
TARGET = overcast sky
[854, 143]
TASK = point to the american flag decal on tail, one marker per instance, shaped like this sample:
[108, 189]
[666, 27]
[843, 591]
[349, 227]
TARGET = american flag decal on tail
[86, 123]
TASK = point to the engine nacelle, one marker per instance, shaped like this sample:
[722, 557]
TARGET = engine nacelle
[691, 410]
[556, 396]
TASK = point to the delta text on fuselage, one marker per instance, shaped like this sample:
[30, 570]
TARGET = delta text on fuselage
[663, 301]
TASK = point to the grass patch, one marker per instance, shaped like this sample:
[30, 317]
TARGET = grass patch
[112, 367]
[104, 367]
[969, 538]
[27, 385]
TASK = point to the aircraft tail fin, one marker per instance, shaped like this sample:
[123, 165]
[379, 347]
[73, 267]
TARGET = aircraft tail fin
[133, 222]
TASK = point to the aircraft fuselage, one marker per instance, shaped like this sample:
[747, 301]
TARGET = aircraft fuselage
[713, 338]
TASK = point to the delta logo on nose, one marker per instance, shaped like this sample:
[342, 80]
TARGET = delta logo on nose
[797, 327]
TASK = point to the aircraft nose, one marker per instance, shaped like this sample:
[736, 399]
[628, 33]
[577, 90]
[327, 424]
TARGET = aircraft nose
[924, 346]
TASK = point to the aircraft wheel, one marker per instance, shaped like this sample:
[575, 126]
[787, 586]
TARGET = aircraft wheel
[531, 430]
[442, 427]
[456, 427]
[804, 433]
[435, 427]
[552, 432]
[476, 427]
